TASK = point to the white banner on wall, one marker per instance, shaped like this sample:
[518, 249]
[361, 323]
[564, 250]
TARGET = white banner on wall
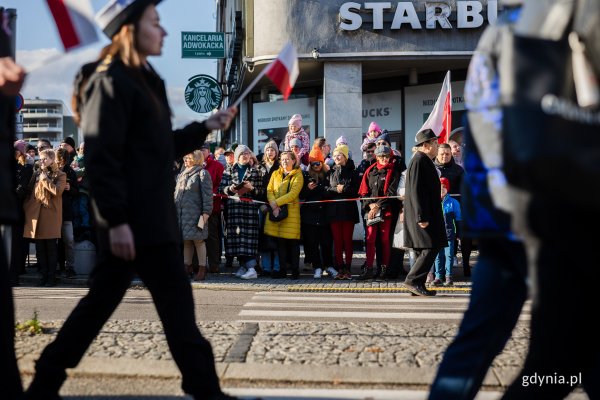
[385, 108]
[419, 104]
[270, 120]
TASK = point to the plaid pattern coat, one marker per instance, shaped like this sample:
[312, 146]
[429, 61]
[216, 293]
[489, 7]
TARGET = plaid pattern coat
[241, 217]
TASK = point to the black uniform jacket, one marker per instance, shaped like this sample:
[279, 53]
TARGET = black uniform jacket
[130, 148]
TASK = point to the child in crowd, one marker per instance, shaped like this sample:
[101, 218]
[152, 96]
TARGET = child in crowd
[372, 135]
[296, 131]
[452, 219]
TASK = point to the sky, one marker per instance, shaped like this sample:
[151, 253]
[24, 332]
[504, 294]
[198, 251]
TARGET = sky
[51, 70]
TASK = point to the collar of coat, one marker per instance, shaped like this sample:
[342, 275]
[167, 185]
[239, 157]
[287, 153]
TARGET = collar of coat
[364, 184]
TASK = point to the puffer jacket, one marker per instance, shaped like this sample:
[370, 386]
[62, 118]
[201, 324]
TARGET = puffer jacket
[193, 197]
[285, 191]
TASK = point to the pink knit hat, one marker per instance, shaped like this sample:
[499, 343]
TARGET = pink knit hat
[20, 145]
[341, 140]
[374, 127]
[296, 120]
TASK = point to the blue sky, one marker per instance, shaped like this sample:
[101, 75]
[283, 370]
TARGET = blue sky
[38, 40]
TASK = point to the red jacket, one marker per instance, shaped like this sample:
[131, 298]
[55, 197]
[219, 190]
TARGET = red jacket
[215, 170]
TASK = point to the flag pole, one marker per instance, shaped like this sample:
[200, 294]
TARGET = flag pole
[251, 86]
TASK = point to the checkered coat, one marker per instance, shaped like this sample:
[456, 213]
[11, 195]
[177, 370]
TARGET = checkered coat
[241, 217]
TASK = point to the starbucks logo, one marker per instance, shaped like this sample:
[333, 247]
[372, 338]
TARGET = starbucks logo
[203, 94]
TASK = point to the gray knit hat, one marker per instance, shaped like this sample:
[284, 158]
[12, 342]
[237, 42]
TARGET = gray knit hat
[239, 150]
[382, 151]
[272, 144]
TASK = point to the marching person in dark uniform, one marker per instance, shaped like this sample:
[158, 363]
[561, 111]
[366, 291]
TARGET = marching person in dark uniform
[12, 77]
[423, 218]
[126, 121]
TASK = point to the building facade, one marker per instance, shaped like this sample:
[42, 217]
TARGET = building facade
[46, 119]
[359, 62]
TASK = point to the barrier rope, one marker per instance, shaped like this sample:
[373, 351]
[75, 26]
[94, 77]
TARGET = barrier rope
[249, 200]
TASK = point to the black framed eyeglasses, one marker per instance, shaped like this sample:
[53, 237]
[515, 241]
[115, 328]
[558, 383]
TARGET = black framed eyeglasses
[315, 164]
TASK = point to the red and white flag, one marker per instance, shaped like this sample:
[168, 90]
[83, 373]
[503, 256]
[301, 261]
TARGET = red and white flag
[440, 119]
[284, 71]
[75, 22]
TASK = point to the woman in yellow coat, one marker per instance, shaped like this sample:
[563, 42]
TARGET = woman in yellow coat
[284, 189]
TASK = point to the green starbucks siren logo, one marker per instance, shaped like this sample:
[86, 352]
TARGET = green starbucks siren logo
[203, 94]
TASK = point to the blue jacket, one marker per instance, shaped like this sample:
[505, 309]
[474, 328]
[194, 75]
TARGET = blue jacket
[452, 217]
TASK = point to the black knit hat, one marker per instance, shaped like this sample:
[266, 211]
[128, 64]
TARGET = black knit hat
[120, 12]
[70, 141]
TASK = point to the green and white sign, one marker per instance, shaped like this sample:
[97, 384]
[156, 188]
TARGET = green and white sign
[203, 94]
[202, 45]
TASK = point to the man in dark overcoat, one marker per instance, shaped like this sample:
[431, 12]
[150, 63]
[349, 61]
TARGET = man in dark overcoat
[423, 217]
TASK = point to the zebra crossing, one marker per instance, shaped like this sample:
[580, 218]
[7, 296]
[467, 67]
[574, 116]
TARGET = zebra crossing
[282, 306]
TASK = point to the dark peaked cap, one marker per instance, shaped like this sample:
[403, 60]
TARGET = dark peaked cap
[120, 12]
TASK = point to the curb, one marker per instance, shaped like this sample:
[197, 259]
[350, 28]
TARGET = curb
[309, 287]
[236, 373]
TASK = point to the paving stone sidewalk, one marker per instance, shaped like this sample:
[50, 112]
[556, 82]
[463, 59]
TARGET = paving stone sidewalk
[299, 352]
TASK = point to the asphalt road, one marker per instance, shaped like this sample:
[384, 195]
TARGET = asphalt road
[256, 306]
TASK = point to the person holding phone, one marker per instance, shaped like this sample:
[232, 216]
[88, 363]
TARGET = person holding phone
[43, 214]
[318, 242]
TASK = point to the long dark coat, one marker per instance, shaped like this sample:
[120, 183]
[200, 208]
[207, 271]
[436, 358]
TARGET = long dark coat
[241, 224]
[130, 147]
[423, 203]
[343, 210]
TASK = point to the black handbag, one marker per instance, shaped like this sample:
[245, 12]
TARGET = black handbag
[283, 210]
[551, 145]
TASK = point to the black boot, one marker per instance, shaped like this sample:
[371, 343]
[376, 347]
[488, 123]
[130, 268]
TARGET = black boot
[381, 273]
[366, 274]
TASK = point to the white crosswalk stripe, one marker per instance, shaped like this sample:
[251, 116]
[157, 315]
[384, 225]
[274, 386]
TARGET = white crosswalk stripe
[273, 306]
[63, 293]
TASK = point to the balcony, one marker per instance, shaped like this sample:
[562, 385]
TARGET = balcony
[31, 127]
[41, 113]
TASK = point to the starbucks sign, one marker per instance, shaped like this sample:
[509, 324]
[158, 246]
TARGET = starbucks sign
[203, 94]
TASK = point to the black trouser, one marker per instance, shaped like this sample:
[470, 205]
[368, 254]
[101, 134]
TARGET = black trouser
[289, 253]
[161, 269]
[213, 242]
[565, 302]
[11, 380]
[318, 245]
[418, 272]
[46, 254]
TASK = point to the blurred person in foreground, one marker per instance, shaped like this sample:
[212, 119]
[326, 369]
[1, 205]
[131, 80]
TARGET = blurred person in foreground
[12, 77]
[499, 280]
[124, 104]
[561, 256]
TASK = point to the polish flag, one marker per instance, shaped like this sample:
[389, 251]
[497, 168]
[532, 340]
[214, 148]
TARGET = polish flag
[440, 119]
[284, 71]
[75, 22]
